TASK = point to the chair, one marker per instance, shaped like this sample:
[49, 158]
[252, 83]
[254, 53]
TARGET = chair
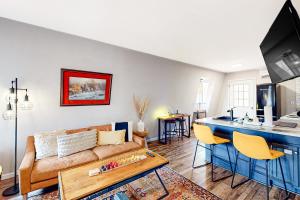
[204, 135]
[255, 147]
[170, 128]
[183, 128]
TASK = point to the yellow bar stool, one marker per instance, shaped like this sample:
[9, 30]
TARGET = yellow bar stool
[256, 147]
[204, 135]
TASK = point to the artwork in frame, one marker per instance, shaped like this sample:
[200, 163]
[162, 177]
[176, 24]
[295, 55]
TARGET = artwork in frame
[80, 88]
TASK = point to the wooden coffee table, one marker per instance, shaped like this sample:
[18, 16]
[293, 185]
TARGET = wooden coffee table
[75, 183]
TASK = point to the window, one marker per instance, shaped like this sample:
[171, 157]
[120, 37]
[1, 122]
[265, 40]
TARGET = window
[241, 93]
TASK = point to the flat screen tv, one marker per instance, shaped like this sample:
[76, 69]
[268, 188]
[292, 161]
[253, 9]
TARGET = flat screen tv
[281, 45]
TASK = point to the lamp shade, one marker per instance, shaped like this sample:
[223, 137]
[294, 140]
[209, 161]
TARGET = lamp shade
[9, 114]
[26, 104]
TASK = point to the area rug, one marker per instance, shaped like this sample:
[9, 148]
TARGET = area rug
[149, 187]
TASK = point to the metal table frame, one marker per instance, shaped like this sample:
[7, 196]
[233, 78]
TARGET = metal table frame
[165, 127]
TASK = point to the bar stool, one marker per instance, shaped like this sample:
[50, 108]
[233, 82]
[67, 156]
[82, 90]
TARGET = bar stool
[256, 147]
[182, 126]
[204, 135]
[169, 124]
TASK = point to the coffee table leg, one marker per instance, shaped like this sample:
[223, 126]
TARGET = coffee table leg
[162, 183]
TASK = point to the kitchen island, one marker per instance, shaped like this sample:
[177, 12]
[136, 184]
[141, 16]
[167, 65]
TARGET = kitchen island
[282, 139]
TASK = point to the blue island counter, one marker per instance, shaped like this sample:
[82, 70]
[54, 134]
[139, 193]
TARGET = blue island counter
[282, 139]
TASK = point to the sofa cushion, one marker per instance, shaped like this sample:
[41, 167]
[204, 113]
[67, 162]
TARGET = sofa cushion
[116, 126]
[73, 143]
[106, 151]
[111, 137]
[48, 168]
[46, 143]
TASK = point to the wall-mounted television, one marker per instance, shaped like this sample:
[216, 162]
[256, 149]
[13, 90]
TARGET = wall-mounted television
[281, 45]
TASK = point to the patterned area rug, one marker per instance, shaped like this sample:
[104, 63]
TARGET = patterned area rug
[149, 187]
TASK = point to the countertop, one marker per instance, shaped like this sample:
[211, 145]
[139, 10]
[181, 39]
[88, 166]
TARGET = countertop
[276, 129]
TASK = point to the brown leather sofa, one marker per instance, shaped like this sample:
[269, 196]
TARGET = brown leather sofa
[37, 174]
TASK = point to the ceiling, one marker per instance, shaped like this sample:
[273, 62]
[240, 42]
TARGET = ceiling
[223, 35]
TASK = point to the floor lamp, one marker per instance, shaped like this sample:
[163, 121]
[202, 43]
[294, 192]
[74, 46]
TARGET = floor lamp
[10, 114]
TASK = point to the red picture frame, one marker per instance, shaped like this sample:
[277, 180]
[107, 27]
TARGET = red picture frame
[84, 88]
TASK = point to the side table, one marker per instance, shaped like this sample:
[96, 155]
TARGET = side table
[142, 134]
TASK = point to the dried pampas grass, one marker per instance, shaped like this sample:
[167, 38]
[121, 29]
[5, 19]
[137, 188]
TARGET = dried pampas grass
[141, 106]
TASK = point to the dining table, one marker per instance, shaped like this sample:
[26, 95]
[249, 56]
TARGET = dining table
[162, 119]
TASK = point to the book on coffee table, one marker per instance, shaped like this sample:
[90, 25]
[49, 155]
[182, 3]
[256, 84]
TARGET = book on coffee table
[76, 183]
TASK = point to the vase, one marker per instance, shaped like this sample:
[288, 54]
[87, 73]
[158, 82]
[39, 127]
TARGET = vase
[141, 126]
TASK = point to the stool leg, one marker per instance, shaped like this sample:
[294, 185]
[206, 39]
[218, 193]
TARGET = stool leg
[229, 158]
[250, 168]
[234, 171]
[180, 129]
[196, 155]
[170, 136]
[212, 161]
[284, 183]
[267, 178]
[175, 130]
[235, 164]
[166, 133]
[185, 127]
[212, 166]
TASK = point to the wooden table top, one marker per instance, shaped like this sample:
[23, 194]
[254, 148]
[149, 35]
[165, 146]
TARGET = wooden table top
[75, 183]
[173, 116]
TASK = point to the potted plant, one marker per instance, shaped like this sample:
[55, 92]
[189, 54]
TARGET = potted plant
[141, 106]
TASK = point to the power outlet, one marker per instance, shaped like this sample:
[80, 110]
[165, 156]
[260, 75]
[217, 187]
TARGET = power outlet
[287, 151]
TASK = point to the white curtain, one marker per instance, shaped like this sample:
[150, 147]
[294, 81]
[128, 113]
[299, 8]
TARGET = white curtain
[202, 95]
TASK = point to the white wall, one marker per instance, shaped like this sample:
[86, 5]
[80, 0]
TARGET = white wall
[36, 55]
[244, 75]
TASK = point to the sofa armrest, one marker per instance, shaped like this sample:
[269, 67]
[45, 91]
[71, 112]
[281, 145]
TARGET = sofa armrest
[141, 141]
[26, 166]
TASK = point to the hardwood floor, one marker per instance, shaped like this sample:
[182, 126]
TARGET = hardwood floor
[180, 154]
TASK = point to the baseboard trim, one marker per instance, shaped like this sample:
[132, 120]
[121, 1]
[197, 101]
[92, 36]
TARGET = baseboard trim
[7, 176]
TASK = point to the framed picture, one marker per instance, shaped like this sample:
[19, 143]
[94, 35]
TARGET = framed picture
[81, 88]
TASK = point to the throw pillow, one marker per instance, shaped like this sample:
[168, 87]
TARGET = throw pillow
[76, 142]
[116, 126]
[46, 143]
[111, 137]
